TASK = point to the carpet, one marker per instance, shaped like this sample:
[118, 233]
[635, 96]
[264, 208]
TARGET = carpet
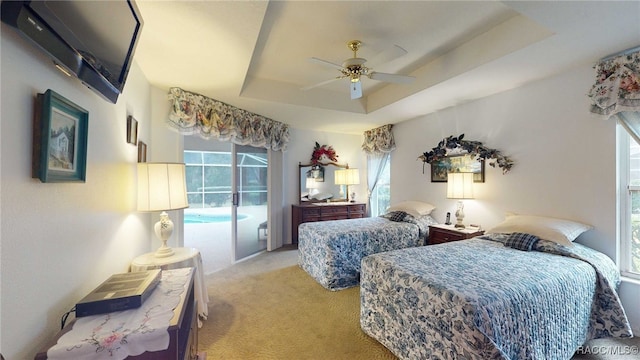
[274, 310]
[269, 308]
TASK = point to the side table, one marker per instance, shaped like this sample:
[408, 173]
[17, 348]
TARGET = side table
[439, 234]
[182, 258]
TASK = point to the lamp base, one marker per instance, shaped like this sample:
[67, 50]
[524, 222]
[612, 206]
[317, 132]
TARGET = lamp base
[163, 251]
[459, 216]
[163, 230]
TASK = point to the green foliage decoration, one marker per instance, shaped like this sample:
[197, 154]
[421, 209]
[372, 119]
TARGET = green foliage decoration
[492, 157]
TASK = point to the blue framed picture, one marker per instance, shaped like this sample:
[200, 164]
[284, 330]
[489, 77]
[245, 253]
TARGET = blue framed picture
[60, 130]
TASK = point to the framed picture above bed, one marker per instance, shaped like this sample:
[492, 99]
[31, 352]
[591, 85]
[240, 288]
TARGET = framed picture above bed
[459, 163]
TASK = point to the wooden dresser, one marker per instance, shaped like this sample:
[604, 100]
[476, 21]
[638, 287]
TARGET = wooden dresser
[323, 212]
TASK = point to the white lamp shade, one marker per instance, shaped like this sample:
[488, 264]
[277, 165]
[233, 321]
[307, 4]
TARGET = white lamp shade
[352, 177]
[347, 177]
[161, 186]
[460, 185]
[311, 183]
[339, 177]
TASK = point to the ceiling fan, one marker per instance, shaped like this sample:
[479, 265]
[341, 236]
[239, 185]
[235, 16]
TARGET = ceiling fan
[354, 69]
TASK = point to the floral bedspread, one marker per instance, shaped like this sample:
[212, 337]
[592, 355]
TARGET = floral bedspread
[477, 299]
[120, 334]
[331, 251]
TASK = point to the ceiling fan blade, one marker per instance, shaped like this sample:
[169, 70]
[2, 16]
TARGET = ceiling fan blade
[392, 78]
[388, 55]
[356, 89]
[325, 62]
[321, 83]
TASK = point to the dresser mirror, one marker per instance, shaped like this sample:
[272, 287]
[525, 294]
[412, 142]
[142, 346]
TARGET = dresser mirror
[317, 183]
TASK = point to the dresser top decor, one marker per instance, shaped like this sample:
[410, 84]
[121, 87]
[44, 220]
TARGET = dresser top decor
[323, 153]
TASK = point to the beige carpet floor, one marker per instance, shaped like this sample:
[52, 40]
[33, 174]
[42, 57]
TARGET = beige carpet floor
[269, 308]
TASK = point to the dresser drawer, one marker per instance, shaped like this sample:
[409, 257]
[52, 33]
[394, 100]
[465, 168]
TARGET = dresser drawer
[356, 210]
[332, 212]
[308, 215]
[438, 235]
[311, 212]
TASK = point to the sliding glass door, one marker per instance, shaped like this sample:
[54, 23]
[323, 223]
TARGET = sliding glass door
[227, 192]
[249, 211]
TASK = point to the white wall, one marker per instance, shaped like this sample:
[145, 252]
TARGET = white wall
[300, 149]
[564, 160]
[59, 241]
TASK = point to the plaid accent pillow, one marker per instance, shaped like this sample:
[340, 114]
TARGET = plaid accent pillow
[521, 241]
[395, 215]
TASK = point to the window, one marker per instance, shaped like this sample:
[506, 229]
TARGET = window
[629, 169]
[381, 195]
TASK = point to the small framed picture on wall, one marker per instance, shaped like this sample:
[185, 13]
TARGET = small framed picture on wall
[142, 152]
[60, 130]
[132, 130]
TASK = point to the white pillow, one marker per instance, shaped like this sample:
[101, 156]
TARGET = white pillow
[415, 208]
[322, 196]
[560, 231]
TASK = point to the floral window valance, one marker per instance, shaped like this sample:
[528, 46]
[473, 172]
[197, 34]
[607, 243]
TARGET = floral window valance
[197, 114]
[379, 140]
[617, 87]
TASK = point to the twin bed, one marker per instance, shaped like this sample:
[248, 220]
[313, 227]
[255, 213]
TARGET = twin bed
[331, 251]
[525, 291]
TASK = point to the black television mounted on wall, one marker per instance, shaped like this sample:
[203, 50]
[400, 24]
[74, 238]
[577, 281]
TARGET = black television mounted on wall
[91, 40]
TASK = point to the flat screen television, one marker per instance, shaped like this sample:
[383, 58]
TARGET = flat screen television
[92, 40]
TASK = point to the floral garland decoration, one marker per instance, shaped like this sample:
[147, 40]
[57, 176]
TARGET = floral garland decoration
[318, 151]
[476, 148]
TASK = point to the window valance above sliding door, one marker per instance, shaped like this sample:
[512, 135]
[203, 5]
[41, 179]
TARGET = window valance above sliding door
[192, 114]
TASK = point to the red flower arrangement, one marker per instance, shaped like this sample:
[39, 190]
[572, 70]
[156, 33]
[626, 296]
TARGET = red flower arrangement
[318, 151]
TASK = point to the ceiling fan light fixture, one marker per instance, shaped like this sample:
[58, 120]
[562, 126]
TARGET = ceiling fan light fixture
[354, 68]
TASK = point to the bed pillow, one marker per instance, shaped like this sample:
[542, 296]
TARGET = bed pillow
[322, 196]
[423, 222]
[521, 241]
[396, 216]
[414, 208]
[560, 231]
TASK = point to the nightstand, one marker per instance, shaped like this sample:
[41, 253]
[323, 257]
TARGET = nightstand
[183, 257]
[439, 234]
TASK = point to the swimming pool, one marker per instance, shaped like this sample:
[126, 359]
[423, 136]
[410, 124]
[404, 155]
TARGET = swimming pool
[210, 218]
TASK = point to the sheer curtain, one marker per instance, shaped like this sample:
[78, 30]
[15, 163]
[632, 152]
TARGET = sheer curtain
[616, 92]
[378, 145]
[375, 165]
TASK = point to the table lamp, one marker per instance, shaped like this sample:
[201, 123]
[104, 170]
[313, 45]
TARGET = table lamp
[312, 186]
[348, 177]
[339, 180]
[460, 186]
[161, 187]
